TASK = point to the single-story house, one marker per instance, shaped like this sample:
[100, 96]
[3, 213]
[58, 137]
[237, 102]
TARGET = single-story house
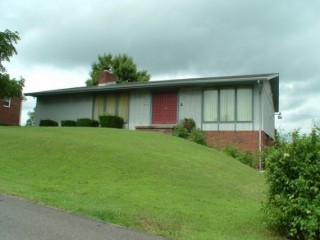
[235, 110]
[10, 111]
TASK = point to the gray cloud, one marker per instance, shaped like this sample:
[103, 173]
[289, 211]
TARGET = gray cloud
[172, 37]
[206, 36]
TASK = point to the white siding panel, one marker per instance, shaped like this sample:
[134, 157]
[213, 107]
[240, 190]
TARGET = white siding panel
[190, 105]
[63, 108]
[244, 127]
[210, 126]
[268, 110]
[38, 110]
[139, 109]
[256, 108]
[265, 108]
[227, 127]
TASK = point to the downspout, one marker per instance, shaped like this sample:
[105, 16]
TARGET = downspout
[260, 124]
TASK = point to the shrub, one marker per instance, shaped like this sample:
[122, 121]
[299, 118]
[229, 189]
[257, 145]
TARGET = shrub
[180, 131]
[198, 136]
[68, 123]
[187, 129]
[248, 158]
[293, 176]
[189, 124]
[111, 121]
[87, 122]
[231, 151]
[245, 157]
[48, 123]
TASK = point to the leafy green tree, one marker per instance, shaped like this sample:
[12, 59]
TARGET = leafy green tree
[31, 120]
[122, 66]
[9, 87]
[104, 62]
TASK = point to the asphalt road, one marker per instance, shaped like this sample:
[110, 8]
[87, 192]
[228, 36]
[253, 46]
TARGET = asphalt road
[22, 220]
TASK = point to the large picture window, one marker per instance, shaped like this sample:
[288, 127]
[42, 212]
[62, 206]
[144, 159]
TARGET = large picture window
[123, 106]
[210, 111]
[113, 104]
[244, 104]
[98, 106]
[227, 105]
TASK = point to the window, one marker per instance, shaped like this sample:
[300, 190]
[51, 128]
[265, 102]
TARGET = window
[98, 106]
[227, 105]
[244, 104]
[123, 106]
[7, 102]
[210, 111]
[113, 104]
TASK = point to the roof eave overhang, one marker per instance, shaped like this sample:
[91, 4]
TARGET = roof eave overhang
[195, 82]
[274, 82]
[129, 87]
[172, 84]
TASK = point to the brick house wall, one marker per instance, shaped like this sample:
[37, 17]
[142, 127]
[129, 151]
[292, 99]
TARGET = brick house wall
[244, 140]
[11, 115]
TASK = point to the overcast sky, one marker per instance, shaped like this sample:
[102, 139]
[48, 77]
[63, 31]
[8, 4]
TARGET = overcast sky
[172, 39]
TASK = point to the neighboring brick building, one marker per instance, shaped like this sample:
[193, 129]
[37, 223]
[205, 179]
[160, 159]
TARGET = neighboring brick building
[10, 111]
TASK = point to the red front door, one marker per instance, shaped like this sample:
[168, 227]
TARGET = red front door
[164, 108]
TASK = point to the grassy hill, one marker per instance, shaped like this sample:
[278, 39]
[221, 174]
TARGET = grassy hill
[146, 181]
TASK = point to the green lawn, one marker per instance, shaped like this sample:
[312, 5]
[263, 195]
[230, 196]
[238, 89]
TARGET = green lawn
[146, 181]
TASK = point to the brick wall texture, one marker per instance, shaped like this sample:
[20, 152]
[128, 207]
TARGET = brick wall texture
[244, 140]
[11, 115]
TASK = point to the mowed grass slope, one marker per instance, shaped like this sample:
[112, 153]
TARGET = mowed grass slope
[146, 181]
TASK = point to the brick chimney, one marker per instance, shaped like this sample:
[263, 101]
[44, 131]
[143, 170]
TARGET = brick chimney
[106, 77]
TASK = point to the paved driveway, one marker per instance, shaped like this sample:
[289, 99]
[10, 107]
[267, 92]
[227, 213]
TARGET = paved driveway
[22, 220]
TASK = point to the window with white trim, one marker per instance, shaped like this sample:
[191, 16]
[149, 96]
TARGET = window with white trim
[7, 102]
[227, 105]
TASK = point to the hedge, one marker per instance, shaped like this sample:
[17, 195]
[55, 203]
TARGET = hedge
[111, 121]
[48, 123]
[68, 123]
[87, 122]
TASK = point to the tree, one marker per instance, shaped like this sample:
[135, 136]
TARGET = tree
[122, 66]
[8, 87]
[31, 120]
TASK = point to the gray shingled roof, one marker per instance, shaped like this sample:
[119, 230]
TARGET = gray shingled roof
[175, 83]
